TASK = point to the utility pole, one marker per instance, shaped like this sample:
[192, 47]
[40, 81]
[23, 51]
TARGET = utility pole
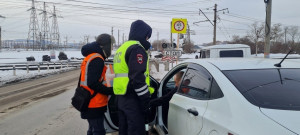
[285, 31]
[215, 21]
[123, 39]
[171, 34]
[40, 44]
[112, 31]
[118, 37]
[215, 24]
[0, 34]
[66, 42]
[0, 40]
[157, 36]
[189, 33]
[86, 38]
[33, 26]
[268, 28]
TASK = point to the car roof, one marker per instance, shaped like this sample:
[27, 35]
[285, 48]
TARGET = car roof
[227, 46]
[246, 63]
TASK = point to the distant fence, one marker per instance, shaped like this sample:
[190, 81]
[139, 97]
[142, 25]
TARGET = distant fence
[158, 62]
[59, 65]
[33, 66]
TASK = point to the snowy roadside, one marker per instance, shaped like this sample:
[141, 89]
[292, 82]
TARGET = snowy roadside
[19, 56]
[7, 77]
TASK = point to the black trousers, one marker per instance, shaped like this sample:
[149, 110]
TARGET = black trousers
[131, 116]
[96, 126]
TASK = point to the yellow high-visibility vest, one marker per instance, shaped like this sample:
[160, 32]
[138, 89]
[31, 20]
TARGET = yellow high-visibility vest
[121, 70]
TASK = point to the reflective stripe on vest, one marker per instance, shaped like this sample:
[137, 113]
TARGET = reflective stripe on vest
[121, 70]
[99, 100]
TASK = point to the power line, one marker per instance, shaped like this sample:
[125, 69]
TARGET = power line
[225, 29]
[109, 8]
[245, 18]
[110, 5]
[236, 22]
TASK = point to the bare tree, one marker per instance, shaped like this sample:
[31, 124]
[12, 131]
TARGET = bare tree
[243, 40]
[286, 29]
[293, 31]
[188, 47]
[256, 32]
[276, 33]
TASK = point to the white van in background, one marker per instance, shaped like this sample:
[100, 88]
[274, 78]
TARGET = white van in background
[225, 50]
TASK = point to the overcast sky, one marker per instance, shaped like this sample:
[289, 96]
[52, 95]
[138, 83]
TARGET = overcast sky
[92, 17]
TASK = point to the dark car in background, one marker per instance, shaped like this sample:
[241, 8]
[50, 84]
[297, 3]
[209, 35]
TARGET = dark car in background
[62, 56]
[46, 58]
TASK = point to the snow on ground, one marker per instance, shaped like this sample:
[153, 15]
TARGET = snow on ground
[277, 55]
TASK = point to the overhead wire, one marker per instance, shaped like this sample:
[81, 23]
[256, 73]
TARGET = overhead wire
[118, 9]
[225, 28]
[140, 8]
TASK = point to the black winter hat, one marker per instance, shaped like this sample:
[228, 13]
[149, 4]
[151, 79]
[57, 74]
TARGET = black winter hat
[139, 31]
[105, 41]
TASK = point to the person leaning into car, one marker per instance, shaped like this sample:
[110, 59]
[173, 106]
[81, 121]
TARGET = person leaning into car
[167, 97]
[93, 71]
[132, 80]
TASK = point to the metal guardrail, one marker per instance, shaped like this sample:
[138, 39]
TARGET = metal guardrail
[39, 65]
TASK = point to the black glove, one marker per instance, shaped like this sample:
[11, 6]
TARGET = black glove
[145, 105]
[146, 109]
[111, 91]
[147, 113]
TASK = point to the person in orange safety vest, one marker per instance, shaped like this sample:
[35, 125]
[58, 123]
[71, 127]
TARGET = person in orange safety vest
[93, 79]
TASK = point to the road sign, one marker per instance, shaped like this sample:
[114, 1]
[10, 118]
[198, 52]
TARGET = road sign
[173, 53]
[179, 25]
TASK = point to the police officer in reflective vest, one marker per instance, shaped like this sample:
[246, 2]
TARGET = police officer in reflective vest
[93, 79]
[132, 82]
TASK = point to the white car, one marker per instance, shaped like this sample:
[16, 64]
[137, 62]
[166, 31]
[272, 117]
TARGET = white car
[233, 96]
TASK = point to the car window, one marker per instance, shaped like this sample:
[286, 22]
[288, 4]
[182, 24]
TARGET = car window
[171, 82]
[208, 54]
[215, 91]
[268, 88]
[196, 84]
[231, 53]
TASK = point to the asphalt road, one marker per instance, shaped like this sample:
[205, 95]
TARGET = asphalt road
[41, 107]
[20, 94]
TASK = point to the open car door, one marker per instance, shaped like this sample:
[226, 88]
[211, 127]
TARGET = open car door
[111, 116]
[166, 85]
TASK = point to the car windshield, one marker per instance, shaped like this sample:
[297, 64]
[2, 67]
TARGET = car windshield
[268, 88]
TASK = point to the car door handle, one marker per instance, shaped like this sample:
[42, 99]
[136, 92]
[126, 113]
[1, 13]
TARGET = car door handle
[194, 112]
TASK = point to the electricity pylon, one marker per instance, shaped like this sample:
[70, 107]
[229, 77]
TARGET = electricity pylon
[45, 28]
[33, 27]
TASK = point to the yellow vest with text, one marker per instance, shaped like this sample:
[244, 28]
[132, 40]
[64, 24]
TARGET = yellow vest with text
[121, 70]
